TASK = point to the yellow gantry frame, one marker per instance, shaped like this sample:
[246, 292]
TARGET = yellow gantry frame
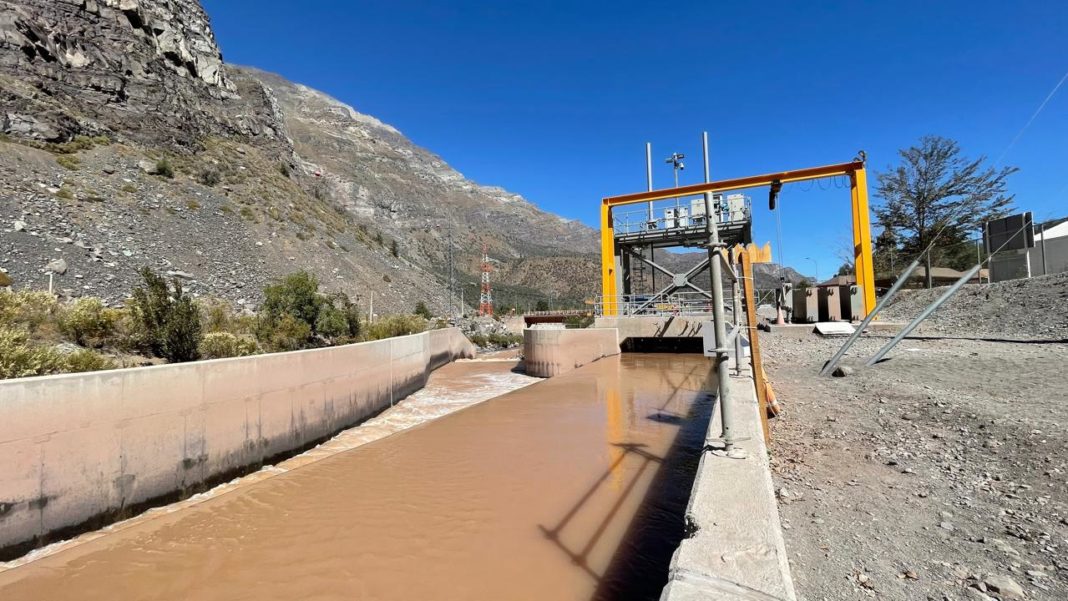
[861, 220]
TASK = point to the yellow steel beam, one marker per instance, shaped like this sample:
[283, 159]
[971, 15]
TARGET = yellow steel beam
[740, 183]
[608, 262]
[862, 255]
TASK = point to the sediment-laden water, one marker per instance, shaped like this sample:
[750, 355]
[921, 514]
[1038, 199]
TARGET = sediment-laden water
[572, 488]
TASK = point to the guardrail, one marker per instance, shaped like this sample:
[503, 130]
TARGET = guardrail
[681, 303]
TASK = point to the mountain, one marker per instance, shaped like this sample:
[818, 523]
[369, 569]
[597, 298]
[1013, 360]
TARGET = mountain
[126, 141]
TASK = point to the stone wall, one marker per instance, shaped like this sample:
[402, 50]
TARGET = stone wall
[81, 450]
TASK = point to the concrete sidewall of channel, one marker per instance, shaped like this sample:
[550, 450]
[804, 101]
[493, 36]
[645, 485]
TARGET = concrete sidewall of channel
[551, 352]
[80, 447]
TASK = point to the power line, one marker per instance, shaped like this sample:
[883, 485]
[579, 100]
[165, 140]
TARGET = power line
[1033, 117]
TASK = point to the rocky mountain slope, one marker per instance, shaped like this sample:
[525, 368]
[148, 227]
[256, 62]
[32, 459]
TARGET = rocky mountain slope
[128, 142]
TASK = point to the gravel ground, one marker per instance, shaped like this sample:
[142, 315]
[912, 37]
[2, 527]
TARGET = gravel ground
[938, 474]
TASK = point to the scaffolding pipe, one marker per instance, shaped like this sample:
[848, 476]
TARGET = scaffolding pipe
[905, 275]
[922, 316]
[720, 330]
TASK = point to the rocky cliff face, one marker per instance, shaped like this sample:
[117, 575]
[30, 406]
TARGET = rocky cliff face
[145, 70]
[268, 176]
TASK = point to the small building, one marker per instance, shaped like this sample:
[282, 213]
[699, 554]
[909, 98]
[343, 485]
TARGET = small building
[1049, 254]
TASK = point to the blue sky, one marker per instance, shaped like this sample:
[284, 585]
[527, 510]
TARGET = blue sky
[555, 100]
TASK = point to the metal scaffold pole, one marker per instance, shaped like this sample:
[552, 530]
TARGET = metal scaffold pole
[719, 321]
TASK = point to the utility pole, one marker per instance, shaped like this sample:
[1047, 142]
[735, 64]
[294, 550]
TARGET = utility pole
[452, 281]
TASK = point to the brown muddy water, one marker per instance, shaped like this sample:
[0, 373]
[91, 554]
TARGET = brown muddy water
[572, 488]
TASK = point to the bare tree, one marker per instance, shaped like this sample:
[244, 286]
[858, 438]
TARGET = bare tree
[935, 187]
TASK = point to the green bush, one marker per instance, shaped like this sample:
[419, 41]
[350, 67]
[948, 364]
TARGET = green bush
[331, 323]
[19, 359]
[83, 360]
[395, 325]
[220, 345]
[286, 333]
[422, 311]
[33, 310]
[87, 322]
[164, 168]
[297, 295]
[170, 320]
[69, 161]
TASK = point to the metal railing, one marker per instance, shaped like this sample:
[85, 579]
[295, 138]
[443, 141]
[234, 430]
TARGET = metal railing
[684, 217]
[680, 303]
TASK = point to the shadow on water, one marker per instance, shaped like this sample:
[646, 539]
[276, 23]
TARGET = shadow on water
[639, 567]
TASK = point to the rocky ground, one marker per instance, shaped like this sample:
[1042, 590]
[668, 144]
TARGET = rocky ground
[941, 473]
[1025, 309]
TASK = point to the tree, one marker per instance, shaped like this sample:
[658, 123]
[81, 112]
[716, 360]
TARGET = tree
[541, 305]
[170, 320]
[935, 187]
[845, 269]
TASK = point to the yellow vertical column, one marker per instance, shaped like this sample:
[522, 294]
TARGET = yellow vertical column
[608, 261]
[863, 261]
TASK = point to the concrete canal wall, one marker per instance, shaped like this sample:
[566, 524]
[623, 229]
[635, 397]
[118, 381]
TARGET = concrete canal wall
[80, 450]
[551, 352]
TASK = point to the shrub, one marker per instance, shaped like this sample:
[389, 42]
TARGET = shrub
[220, 345]
[65, 193]
[283, 169]
[331, 323]
[286, 333]
[394, 249]
[5, 279]
[297, 295]
[129, 188]
[395, 325]
[19, 359]
[164, 168]
[32, 310]
[69, 161]
[422, 311]
[87, 322]
[83, 360]
[209, 177]
[505, 340]
[171, 321]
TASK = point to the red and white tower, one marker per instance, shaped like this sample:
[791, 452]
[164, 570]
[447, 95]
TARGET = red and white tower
[485, 301]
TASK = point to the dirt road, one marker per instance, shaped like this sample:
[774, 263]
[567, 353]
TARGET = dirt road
[940, 474]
